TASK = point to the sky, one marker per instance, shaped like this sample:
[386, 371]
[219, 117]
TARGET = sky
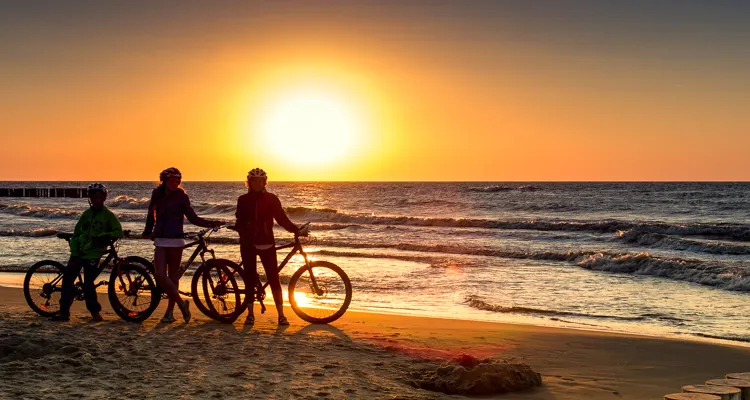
[376, 90]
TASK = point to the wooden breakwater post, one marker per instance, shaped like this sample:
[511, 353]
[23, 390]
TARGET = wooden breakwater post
[724, 392]
[691, 396]
[741, 384]
[76, 193]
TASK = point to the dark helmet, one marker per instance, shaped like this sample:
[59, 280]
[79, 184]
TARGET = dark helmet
[170, 173]
[97, 187]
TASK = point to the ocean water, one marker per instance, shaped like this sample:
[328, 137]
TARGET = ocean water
[667, 259]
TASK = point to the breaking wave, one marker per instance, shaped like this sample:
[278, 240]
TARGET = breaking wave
[41, 232]
[658, 240]
[735, 277]
[125, 201]
[27, 210]
[479, 304]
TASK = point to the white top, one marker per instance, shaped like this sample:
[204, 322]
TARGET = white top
[169, 242]
[263, 246]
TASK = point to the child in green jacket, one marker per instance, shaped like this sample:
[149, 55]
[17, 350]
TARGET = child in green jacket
[96, 227]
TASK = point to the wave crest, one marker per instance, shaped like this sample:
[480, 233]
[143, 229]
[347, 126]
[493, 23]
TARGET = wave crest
[40, 232]
[479, 304]
[658, 240]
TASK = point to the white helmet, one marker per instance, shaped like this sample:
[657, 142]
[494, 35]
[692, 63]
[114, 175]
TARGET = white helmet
[97, 187]
[257, 173]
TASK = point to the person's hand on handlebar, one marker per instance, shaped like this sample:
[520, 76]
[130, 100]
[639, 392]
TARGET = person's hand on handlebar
[304, 231]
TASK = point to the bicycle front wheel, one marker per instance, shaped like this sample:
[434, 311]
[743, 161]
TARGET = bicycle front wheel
[217, 290]
[320, 292]
[132, 292]
[42, 287]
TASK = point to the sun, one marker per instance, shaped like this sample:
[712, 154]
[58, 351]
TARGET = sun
[310, 127]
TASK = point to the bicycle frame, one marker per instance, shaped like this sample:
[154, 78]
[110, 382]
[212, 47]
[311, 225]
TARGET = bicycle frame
[111, 256]
[201, 249]
[296, 247]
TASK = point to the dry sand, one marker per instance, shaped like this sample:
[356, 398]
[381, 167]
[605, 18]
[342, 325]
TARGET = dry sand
[360, 356]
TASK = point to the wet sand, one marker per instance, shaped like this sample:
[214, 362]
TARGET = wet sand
[362, 355]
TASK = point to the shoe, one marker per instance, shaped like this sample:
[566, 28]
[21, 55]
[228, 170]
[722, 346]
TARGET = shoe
[185, 308]
[60, 317]
[250, 319]
[168, 319]
[97, 317]
[283, 321]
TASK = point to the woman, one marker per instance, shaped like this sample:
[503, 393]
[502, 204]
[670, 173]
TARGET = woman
[169, 204]
[256, 211]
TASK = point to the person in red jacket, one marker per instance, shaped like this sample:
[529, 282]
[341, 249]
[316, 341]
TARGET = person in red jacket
[256, 211]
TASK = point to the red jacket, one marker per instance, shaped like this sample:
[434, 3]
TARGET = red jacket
[255, 214]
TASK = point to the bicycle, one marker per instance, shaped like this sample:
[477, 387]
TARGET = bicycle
[42, 286]
[319, 292]
[223, 290]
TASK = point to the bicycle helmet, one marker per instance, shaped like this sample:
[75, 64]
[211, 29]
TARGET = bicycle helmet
[257, 173]
[97, 187]
[170, 173]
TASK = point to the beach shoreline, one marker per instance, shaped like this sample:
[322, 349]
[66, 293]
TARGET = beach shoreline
[379, 350]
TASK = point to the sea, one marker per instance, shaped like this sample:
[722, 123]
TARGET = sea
[651, 258]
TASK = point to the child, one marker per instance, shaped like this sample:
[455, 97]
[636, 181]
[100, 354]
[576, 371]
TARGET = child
[96, 227]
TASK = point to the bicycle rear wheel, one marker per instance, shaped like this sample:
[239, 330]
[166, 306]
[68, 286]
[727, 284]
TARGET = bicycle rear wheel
[218, 288]
[42, 287]
[132, 292]
[320, 292]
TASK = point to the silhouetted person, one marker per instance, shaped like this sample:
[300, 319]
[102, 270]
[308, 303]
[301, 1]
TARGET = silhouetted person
[93, 232]
[256, 211]
[166, 211]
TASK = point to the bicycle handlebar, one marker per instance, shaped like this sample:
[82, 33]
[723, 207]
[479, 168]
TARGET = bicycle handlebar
[206, 231]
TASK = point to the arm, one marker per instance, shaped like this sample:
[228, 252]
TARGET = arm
[151, 215]
[281, 218]
[114, 228]
[75, 248]
[240, 214]
[193, 217]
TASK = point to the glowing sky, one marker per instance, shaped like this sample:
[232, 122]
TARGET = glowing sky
[494, 90]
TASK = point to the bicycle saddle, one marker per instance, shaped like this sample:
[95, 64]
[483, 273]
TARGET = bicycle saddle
[65, 236]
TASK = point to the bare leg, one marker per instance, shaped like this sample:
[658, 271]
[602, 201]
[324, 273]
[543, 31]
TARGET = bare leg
[166, 284]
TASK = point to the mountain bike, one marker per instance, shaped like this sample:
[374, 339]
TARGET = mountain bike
[224, 288]
[319, 291]
[42, 286]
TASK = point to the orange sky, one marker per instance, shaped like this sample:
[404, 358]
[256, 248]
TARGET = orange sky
[444, 92]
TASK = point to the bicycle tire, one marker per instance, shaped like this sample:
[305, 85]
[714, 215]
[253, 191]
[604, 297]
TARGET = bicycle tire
[214, 303]
[142, 261]
[337, 273]
[140, 283]
[56, 270]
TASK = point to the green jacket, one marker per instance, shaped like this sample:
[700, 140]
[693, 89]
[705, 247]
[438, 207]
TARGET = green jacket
[92, 231]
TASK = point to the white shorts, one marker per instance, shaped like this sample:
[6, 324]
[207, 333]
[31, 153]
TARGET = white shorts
[169, 242]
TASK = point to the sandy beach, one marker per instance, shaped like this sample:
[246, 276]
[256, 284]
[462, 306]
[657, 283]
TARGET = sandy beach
[361, 356]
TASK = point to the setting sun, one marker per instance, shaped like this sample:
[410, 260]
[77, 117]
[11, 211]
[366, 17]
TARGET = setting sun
[309, 126]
